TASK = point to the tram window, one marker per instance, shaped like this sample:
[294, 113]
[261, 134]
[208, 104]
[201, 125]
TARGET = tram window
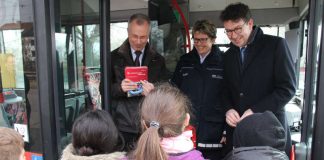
[302, 69]
[274, 30]
[92, 46]
[73, 76]
[221, 37]
[18, 81]
[12, 42]
[118, 34]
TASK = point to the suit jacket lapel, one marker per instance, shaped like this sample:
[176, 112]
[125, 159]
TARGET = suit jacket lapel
[148, 53]
[252, 49]
[250, 53]
[125, 51]
[237, 60]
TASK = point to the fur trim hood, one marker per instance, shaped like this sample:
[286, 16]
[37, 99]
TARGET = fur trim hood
[68, 154]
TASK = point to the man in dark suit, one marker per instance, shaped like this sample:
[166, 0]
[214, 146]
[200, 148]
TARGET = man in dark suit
[259, 73]
[135, 51]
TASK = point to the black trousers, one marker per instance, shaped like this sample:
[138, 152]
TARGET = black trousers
[211, 154]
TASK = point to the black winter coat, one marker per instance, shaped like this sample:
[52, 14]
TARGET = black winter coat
[202, 83]
[266, 80]
[125, 109]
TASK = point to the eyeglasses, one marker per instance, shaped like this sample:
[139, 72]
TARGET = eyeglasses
[236, 30]
[201, 40]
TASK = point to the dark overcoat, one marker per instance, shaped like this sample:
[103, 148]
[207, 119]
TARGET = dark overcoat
[126, 109]
[265, 81]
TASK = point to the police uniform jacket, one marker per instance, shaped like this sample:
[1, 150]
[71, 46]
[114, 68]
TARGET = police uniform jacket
[202, 83]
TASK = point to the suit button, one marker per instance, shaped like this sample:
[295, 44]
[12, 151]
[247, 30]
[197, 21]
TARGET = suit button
[241, 94]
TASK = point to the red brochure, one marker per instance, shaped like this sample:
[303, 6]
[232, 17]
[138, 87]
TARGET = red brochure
[136, 74]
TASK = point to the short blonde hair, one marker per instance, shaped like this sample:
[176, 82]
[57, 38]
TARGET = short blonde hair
[11, 144]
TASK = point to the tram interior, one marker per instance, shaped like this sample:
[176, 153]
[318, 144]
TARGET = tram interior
[78, 44]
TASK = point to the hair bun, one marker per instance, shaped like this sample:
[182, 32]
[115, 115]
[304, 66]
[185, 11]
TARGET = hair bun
[86, 151]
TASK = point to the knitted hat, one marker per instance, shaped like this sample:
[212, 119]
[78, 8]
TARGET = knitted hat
[260, 129]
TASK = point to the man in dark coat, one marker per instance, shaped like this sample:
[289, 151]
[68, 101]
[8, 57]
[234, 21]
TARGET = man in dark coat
[259, 136]
[199, 74]
[259, 73]
[125, 109]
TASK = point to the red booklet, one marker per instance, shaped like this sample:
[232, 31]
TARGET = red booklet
[136, 74]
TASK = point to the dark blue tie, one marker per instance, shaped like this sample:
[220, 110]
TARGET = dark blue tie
[137, 61]
[242, 53]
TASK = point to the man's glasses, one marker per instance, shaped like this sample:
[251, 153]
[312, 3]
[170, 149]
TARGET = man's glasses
[201, 40]
[236, 30]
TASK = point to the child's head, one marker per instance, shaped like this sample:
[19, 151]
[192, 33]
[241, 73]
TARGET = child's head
[164, 113]
[260, 129]
[94, 132]
[11, 144]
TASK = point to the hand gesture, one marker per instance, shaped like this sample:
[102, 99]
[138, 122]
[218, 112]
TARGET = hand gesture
[128, 85]
[232, 117]
[246, 113]
[147, 87]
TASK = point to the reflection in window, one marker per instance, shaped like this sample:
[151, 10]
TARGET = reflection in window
[12, 43]
[79, 61]
[70, 47]
[18, 70]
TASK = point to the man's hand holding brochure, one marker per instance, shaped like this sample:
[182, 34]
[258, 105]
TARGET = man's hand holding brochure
[135, 82]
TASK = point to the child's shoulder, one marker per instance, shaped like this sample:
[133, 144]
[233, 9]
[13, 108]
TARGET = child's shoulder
[191, 155]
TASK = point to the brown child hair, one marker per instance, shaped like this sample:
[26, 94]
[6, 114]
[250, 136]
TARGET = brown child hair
[164, 113]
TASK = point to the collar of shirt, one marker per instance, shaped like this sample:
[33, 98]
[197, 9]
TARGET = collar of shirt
[202, 58]
[134, 55]
[242, 47]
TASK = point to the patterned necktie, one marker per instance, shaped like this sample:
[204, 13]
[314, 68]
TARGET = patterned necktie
[137, 61]
[242, 53]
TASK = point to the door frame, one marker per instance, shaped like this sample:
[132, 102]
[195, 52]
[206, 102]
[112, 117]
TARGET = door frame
[48, 81]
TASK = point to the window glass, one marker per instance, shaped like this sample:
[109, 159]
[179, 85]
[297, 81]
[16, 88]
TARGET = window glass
[118, 34]
[274, 30]
[221, 37]
[314, 61]
[158, 39]
[77, 40]
[19, 107]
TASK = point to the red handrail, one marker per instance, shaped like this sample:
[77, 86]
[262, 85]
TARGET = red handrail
[185, 23]
[292, 152]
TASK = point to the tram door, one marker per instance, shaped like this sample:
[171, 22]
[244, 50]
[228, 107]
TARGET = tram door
[77, 41]
[310, 82]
